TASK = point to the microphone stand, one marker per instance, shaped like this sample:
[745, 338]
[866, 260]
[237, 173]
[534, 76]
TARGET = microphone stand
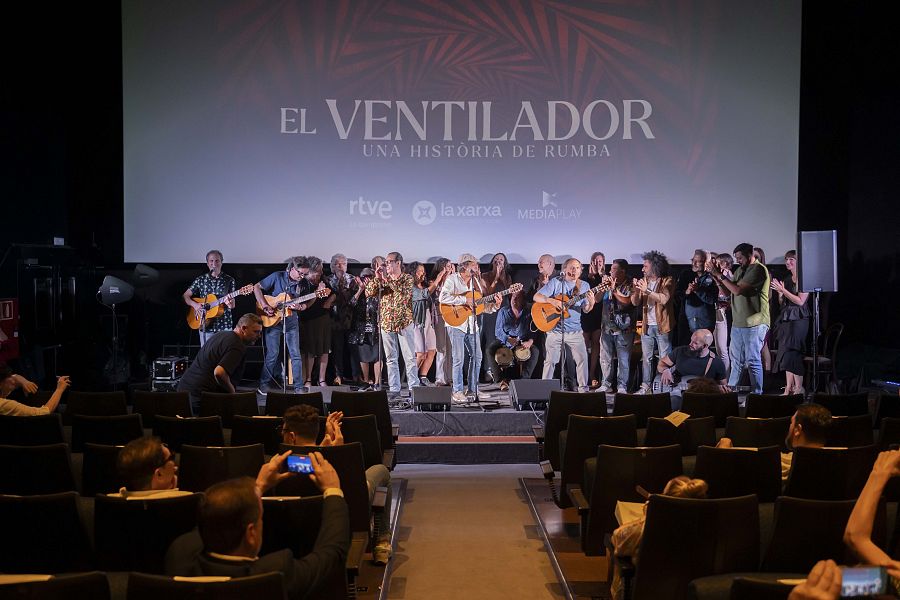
[816, 333]
[562, 338]
[379, 331]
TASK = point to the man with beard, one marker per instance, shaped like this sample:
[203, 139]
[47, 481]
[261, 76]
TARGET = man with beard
[216, 366]
[686, 362]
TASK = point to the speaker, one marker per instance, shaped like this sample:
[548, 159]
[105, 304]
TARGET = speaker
[435, 399]
[531, 393]
[817, 261]
[115, 291]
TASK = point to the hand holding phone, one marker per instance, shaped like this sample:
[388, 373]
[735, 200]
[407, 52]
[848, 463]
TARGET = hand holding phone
[299, 463]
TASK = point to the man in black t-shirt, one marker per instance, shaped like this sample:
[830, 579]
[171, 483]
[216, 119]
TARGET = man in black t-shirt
[219, 359]
[687, 362]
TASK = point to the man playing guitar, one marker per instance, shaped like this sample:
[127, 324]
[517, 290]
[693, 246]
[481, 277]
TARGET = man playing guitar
[552, 293]
[217, 283]
[292, 282]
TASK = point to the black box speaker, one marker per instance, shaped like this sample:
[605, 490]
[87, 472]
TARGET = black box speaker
[434, 399]
[817, 261]
[531, 393]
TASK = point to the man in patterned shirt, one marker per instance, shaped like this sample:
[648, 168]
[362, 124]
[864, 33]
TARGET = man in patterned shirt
[217, 283]
[396, 320]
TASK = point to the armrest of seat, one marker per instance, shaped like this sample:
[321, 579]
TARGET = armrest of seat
[379, 499]
[389, 459]
[538, 431]
[395, 432]
[579, 501]
[626, 566]
[547, 469]
[358, 543]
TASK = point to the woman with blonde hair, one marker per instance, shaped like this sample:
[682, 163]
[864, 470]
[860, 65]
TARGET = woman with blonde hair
[627, 538]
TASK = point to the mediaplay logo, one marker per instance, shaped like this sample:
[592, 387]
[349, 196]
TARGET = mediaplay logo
[424, 212]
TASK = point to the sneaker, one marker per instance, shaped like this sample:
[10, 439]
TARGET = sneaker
[261, 391]
[644, 389]
[459, 398]
[393, 395]
[382, 552]
[604, 389]
[425, 382]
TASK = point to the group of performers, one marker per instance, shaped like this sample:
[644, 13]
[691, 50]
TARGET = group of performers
[442, 318]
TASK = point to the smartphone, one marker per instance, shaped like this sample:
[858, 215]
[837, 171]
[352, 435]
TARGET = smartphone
[299, 463]
[863, 581]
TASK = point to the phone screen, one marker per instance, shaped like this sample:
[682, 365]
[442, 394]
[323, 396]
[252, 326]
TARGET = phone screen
[299, 463]
[863, 581]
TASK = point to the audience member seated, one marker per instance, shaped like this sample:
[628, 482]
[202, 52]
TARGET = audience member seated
[822, 583]
[230, 532]
[148, 468]
[301, 428]
[809, 428]
[684, 363]
[627, 538]
[858, 535]
[10, 381]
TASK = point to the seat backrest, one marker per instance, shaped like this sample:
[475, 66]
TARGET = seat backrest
[93, 585]
[829, 473]
[619, 471]
[355, 404]
[889, 432]
[291, 522]
[228, 405]
[687, 538]
[691, 434]
[805, 532]
[771, 406]
[101, 404]
[99, 474]
[757, 433]
[556, 417]
[888, 406]
[720, 406]
[116, 430]
[31, 470]
[44, 534]
[39, 430]
[196, 431]
[347, 460]
[153, 587]
[256, 430]
[848, 432]
[364, 429]
[642, 406]
[582, 437]
[731, 472]
[170, 404]
[749, 588]
[844, 405]
[200, 467]
[278, 402]
[133, 535]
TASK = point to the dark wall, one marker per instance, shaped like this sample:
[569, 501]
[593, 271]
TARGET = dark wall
[60, 110]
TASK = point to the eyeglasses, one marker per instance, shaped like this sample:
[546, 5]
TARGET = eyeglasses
[391, 261]
[170, 458]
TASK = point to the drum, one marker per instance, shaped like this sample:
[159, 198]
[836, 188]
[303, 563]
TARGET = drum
[504, 357]
[522, 353]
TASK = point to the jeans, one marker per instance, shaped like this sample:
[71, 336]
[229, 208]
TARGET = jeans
[652, 340]
[459, 343]
[396, 342]
[621, 346]
[272, 340]
[577, 348]
[746, 351]
[721, 335]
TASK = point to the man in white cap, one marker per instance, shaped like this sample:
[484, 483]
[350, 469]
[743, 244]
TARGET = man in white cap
[457, 291]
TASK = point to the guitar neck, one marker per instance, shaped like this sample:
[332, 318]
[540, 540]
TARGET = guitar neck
[595, 289]
[224, 298]
[505, 292]
[300, 300]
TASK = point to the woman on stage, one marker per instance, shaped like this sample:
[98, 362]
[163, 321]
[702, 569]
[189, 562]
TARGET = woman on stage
[426, 344]
[590, 322]
[791, 327]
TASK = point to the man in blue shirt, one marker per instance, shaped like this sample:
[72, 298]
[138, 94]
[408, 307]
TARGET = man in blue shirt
[293, 281]
[512, 332]
[571, 285]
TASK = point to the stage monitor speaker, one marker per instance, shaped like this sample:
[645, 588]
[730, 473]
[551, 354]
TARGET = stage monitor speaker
[817, 261]
[531, 393]
[434, 399]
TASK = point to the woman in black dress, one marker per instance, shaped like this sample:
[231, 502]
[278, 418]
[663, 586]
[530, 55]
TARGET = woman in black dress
[590, 322]
[791, 327]
[363, 333]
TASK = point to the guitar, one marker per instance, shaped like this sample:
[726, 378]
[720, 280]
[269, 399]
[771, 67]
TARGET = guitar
[456, 314]
[212, 307]
[546, 316]
[283, 305]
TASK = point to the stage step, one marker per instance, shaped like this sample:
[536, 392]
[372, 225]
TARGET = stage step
[467, 450]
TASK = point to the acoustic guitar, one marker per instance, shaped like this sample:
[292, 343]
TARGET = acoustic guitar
[284, 305]
[545, 316]
[456, 314]
[212, 307]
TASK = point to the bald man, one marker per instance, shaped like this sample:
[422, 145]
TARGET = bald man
[686, 362]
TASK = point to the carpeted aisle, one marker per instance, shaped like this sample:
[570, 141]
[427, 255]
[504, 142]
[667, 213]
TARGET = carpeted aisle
[466, 532]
